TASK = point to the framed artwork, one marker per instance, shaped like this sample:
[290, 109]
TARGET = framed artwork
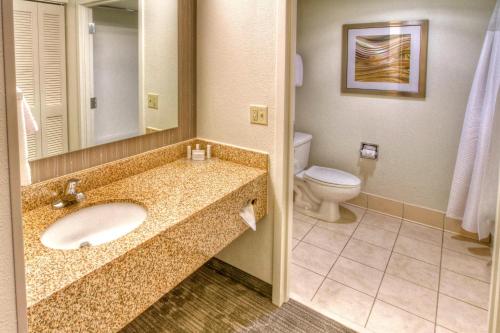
[388, 58]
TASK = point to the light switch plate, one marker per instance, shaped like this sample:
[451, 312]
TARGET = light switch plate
[258, 114]
[153, 101]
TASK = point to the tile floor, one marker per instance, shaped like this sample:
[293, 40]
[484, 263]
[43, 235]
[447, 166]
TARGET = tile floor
[390, 275]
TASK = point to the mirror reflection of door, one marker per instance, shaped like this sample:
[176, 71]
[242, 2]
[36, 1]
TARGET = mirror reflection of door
[115, 52]
[120, 54]
[39, 33]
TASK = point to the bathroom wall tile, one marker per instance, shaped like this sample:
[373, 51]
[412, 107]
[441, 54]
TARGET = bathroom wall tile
[344, 301]
[455, 226]
[313, 258]
[424, 215]
[326, 239]
[295, 242]
[418, 250]
[382, 221]
[300, 229]
[368, 254]
[414, 270]
[467, 246]
[467, 265]
[376, 236]
[461, 317]
[386, 318]
[385, 205]
[422, 233]
[409, 296]
[303, 283]
[361, 200]
[464, 288]
[355, 275]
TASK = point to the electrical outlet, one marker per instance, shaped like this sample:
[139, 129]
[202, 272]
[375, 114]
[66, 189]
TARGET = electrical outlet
[258, 114]
[153, 101]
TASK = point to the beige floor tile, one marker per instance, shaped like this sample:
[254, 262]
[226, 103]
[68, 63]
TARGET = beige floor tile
[326, 239]
[295, 242]
[382, 221]
[418, 250]
[386, 318]
[464, 288]
[466, 246]
[304, 218]
[344, 301]
[376, 236]
[303, 283]
[355, 275]
[414, 270]
[461, 317]
[440, 329]
[341, 228]
[368, 254]
[313, 258]
[300, 229]
[422, 233]
[467, 265]
[408, 296]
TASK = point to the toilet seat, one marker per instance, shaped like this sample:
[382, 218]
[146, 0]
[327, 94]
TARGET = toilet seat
[331, 177]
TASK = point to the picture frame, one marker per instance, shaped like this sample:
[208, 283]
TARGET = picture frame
[385, 58]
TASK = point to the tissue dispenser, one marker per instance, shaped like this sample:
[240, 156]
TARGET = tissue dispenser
[368, 151]
[247, 213]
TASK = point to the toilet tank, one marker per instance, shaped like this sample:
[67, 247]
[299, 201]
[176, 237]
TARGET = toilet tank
[301, 148]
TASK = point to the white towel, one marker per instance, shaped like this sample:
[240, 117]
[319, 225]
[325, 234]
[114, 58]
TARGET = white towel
[26, 126]
[299, 71]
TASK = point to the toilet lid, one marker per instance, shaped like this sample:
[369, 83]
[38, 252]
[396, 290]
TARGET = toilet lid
[332, 176]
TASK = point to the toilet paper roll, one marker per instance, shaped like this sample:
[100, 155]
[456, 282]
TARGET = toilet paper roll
[368, 153]
[248, 215]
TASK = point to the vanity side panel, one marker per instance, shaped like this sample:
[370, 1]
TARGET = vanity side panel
[109, 298]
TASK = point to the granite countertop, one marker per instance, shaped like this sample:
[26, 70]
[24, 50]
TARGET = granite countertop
[171, 194]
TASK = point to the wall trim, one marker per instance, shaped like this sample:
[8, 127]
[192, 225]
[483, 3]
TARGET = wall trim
[13, 152]
[423, 215]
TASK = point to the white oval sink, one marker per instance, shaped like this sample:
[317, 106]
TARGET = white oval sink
[94, 225]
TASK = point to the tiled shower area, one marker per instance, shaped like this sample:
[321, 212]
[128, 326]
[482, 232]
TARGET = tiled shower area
[390, 275]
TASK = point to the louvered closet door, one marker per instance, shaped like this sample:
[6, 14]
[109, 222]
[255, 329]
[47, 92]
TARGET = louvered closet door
[27, 65]
[53, 100]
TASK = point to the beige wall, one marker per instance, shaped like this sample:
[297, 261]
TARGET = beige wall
[418, 138]
[161, 62]
[7, 285]
[236, 67]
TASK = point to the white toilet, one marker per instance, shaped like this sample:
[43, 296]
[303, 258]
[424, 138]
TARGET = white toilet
[319, 190]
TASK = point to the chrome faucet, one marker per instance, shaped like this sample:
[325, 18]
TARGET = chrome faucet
[70, 195]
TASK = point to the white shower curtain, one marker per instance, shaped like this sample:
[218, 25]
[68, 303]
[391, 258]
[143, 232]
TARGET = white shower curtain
[473, 191]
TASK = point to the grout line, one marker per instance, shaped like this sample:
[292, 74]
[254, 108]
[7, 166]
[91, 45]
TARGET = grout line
[470, 277]
[439, 282]
[462, 301]
[404, 310]
[412, 282]
[468, 255]
[385, 272]
[322, 282]
[419, 260]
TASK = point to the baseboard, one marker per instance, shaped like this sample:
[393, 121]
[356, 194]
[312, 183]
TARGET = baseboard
[239, 276]
[419, 214]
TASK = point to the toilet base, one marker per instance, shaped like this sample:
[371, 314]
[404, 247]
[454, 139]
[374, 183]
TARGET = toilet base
[328, 211]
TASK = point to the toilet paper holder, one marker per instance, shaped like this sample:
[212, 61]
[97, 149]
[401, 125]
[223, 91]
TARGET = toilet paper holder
[368, 151]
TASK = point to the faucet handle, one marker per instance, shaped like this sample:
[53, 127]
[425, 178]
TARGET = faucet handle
[71, 185]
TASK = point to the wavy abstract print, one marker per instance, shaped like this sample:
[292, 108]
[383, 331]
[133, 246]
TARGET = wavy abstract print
[383, 58]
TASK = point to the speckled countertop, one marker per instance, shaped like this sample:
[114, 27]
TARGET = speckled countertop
[171, 194]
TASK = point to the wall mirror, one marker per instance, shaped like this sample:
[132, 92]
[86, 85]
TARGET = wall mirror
[90, 72]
